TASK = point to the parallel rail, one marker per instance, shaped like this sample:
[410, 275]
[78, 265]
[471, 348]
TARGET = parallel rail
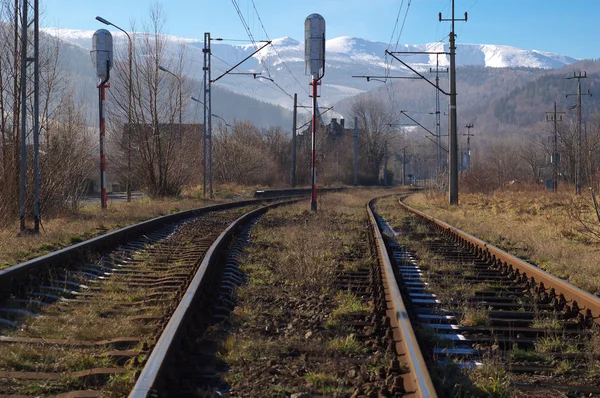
[14, 278]
[417, 382]
[588, 305]
[171, 339]
[270, 193]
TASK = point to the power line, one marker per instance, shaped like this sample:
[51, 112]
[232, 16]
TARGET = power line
[278, 87]
[265, 67]
[277, 53]
[403, 23]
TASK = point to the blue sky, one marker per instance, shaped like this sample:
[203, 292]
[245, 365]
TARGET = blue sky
[566, 27]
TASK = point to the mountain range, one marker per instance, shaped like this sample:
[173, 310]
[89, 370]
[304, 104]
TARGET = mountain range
[283, 62]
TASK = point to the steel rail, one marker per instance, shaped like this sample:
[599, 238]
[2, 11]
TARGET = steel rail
[418, 382]
[268, 193]
[175, 329]
[11, 277]
[584, 300]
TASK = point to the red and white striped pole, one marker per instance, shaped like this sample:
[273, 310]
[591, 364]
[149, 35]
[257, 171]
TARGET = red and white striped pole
[101, 89]
[313, 196]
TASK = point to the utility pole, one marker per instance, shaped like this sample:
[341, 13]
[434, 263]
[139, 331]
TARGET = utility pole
[438, 115]
[294, 122]
[27, 60]
[404, 166]
[453, 140]
[355, 151]
[385, 163]
[207, 102]
[469, 135]
[314, 38]
[130, 100]
[579, 165]
[555, 117]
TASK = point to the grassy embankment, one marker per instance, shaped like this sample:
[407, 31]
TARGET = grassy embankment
[540, 227]
[89, 222]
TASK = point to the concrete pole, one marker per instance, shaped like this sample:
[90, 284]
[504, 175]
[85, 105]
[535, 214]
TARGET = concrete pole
[210, 162]
[453, 175]
[205, 127]
[579, 173]
[404, 166]
[313, 198]
[554, 152]
[36, 116]
[355, 151]
[24, 60]
[102, 98]
[294, 127]
[129, 116]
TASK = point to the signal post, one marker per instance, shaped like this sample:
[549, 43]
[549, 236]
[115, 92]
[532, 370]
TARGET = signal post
[314, 41]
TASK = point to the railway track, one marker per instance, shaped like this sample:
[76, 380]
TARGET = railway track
[78, 324]
[452, 315]
[185, 362]
[490, 324]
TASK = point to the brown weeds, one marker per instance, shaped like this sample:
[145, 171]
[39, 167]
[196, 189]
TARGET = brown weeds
[536, 226]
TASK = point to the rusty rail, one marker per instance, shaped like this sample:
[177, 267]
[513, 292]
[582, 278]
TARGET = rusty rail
[588, 305]
[418, 381]
[169, 342]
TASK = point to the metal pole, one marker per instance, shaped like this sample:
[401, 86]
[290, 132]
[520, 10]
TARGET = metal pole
[356, 151]
[294, 122]
[36, 117]
[130, 102]
[210, 165]
[404, 166]
[453, 176]
[385, 163]
[438, 135]
[23, 171]
[180, 110]
[101, 91]
[129, 117]
[206, 88]
[554, 152]
[313, 198]
[579, 173]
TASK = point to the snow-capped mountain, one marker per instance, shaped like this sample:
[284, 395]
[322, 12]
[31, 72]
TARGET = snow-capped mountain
[279, 67]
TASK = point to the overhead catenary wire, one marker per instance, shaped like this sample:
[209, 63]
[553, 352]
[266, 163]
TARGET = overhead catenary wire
[276, 88]
[276, 52]
[392, 97]
[263, 64]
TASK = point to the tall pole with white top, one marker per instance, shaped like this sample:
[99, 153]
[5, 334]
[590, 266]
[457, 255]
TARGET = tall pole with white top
[314, 55]
[102, 57]
[130, 102]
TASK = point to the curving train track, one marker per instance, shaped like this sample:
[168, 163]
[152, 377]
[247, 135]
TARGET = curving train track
[490, 324]
[81, 321]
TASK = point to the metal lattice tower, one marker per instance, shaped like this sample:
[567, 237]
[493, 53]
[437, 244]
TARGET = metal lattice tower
[30, 75]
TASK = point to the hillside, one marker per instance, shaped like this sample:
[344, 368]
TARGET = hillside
[283, 61]
[498, 101]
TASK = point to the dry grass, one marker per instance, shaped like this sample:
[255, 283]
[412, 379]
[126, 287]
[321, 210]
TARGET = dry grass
[90, 221]
[49, 358]
[537, 226]
[291, 303]
[305, 253]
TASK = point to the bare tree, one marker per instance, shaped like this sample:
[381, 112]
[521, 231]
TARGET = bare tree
[532, 153]
[53, 87]
[67, 161]
[374, 122]
[159, 154]
[241, 155]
